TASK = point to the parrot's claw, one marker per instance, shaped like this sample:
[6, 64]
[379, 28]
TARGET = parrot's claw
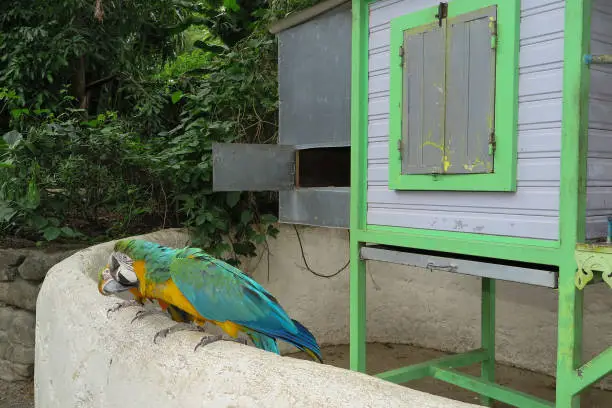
[122, 305]
[177, 327]
[144, 313]
[214, 338]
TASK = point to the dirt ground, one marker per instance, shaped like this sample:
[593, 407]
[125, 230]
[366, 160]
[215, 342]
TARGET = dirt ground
[383, 357]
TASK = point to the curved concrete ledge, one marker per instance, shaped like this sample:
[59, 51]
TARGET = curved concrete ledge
[84, 359]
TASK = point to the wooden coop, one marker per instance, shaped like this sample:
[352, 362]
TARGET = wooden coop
[480, 144]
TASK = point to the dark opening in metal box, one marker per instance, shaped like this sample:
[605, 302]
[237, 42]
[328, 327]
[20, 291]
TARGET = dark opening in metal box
[310, 166]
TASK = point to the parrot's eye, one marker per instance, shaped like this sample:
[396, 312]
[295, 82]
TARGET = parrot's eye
[106, 274]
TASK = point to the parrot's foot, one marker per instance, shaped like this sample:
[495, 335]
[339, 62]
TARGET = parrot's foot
[176, 328]
[144, 313]
[122, 305]
[214, 338]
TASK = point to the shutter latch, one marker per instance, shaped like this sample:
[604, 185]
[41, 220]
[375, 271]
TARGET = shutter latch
[442, 12]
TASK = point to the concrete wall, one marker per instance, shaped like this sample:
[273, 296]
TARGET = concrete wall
[84, 359]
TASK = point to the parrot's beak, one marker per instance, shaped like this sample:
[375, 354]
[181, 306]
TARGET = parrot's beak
[111, 287]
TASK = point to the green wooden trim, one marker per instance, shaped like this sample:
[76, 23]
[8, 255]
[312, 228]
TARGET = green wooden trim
[497, 392]
[593, 371]
[359, 114]
[416, 371]
[357, 307]
[487, 334]
[574, 148]
[359, 126]
[506, 103]
[491, 246]
[574, 125]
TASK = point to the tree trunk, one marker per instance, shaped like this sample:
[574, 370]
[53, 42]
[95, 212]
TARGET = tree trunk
[79, 83]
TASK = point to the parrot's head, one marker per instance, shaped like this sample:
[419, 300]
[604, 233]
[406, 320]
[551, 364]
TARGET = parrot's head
[117, 276]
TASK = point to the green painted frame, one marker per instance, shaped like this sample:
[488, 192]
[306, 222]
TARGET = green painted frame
[570, 375]
[506, 102]
[574, 148]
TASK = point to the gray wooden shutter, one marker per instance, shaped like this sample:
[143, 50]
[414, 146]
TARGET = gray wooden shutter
[470, 92]
[423, 100]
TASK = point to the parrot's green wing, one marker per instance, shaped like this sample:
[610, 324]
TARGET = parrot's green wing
[219, 293]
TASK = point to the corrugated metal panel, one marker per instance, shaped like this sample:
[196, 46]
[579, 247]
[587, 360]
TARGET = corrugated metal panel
[513, 214]
[599, 166]
[470, 99]
[253, 167]
[323, 207]
[314, 77]
[422, 124]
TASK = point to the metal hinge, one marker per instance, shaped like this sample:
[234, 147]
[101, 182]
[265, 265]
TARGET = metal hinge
[492, 144]
[442, 12]
[400, 147]
[401, 55]
[493, 31]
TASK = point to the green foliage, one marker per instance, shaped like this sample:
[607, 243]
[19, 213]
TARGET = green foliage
[136, 154]
[59, 174]
[45, 45]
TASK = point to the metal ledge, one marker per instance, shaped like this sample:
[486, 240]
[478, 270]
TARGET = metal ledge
[530, 276]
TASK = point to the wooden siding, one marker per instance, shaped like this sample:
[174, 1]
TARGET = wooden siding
[599, 173]
[531, 212]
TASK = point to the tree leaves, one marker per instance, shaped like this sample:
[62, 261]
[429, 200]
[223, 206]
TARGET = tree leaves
[50, 233]
[138, 156]
[231, 5]
[176, 96]
[11, 138]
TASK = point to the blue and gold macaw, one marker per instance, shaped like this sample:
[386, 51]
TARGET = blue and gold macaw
[206, 289]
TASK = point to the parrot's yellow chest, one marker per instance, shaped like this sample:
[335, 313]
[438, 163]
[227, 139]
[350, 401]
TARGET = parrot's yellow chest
[167, 291]
[170, 293]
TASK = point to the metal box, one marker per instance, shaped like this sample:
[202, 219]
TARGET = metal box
[310, 166]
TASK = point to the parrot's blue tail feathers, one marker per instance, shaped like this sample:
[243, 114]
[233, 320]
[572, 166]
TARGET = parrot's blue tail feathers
[303, 340]
[264, 342]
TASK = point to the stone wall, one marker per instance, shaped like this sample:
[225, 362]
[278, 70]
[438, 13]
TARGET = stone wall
[21, 274]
